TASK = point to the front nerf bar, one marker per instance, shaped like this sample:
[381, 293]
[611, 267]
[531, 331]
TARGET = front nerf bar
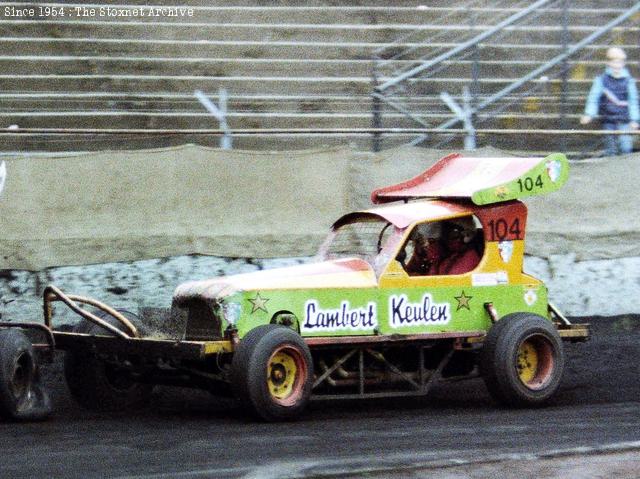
[52, 293]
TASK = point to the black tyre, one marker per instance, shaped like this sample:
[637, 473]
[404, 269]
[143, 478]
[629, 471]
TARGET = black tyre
[22, 397]
[522, 360]
[272, 373]
[99, 385]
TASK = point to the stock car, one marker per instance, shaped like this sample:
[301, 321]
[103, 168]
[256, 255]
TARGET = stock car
[360, 322]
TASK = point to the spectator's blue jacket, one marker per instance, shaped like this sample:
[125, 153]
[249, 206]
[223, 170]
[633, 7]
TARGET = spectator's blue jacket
[613, 99]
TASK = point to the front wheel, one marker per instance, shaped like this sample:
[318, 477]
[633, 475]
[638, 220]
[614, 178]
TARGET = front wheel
[272, 373]
[522, 360]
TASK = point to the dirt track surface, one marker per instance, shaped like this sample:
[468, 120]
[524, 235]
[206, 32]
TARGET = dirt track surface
[456, 432]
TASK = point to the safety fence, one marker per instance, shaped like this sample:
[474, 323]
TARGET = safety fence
[115, 138]
[129, 205]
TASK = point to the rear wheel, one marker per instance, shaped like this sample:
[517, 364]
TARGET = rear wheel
[21, 395]
[272, 373]
[522, 360]
[98, 384]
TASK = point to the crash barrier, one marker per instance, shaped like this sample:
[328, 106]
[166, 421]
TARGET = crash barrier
[122, 206]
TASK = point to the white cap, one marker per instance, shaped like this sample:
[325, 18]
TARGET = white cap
[616, 53]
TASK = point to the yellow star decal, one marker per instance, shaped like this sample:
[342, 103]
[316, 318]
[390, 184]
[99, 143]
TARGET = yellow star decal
[463, 301]
[258, 303]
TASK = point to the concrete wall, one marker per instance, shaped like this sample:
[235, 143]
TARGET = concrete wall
[127, 206]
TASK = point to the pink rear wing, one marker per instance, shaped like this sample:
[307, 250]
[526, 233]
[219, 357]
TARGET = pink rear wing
[482, 180]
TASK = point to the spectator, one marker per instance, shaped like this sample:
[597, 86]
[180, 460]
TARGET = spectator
[614, 97]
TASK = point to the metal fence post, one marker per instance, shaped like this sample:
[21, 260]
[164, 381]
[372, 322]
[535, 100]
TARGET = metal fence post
[220, 113]
[376, 109]
[3, 175]
[565, 73]
[464, 114]
[226, 142]
[467, 108]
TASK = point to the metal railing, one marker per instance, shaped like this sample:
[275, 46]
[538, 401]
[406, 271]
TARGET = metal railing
[296, 131]
[115, 135]
[395, 94]
[115, 76]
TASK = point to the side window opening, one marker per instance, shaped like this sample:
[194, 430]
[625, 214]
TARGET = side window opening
[447, 247]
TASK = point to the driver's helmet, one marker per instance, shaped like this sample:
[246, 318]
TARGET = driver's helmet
[463, 229]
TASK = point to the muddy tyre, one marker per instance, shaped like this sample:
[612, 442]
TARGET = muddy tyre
[22, 397]
[522, 360]
[99, 385]
[272, 373]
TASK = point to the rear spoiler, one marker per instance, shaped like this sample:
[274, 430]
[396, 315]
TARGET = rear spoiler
[482, 180]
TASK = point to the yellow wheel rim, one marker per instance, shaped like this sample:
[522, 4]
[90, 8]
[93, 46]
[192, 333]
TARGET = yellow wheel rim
[281, 375]
[527, 362]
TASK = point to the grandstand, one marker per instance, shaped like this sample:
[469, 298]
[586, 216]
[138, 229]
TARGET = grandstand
[295, 65]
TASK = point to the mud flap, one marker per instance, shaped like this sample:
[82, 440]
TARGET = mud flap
[22, 395]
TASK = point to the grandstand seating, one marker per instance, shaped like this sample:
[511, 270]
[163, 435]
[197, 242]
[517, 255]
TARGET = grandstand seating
[293, 65]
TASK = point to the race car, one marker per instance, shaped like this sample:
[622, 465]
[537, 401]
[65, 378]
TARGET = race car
[425, 286]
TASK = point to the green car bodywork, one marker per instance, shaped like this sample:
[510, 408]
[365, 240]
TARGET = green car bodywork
[427, 285]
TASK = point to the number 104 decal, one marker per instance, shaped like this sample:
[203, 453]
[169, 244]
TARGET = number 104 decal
[529, 184]
[500, 229]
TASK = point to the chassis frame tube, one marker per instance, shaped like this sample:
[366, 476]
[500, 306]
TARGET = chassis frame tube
[418, 389]
[52, 293]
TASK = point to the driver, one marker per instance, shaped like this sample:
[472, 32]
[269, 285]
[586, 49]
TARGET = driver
[461, 255]
[427, 250]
